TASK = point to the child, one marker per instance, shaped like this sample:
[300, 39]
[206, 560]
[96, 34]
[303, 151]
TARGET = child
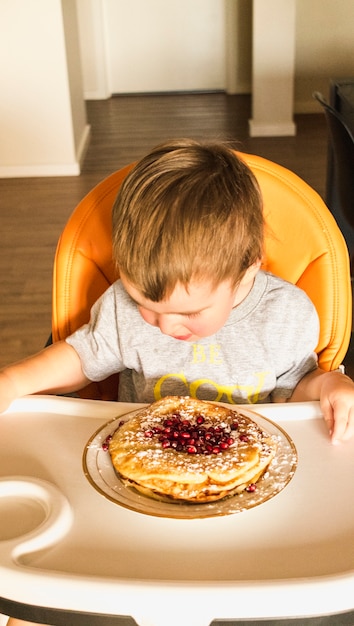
[192, 313]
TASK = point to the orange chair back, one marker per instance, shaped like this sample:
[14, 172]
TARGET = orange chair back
[303, 245]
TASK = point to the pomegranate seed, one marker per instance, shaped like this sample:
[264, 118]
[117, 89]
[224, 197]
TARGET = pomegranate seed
[251, 488]
[191, 436]
[105, 444]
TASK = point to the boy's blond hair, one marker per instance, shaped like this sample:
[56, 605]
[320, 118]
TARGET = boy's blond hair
[187, 212]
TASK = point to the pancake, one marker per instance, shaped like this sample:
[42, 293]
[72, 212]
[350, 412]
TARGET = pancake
[185, 449]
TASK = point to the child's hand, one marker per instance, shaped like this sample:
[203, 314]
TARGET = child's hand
[337, 404]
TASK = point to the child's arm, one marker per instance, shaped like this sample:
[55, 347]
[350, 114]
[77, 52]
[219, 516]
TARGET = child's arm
[335, 391]
[55, 369]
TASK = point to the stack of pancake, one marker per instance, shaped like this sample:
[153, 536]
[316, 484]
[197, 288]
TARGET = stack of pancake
[185, 449]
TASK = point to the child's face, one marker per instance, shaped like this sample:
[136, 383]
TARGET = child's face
[199, 312]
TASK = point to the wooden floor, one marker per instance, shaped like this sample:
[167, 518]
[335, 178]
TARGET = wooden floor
[33, 211]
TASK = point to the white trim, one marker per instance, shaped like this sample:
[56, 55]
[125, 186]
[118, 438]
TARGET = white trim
[91, 16]
[96, 94]
[273, 61]
[287, 129]
[83, 144]
[238, 35]
[39, 171]
[53, 169]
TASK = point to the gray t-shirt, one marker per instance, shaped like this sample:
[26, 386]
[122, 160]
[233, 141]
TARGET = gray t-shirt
[266, 346]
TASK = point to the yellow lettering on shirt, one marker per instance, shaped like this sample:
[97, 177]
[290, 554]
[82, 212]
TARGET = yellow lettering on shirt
[251, 392]
[157, 389]
[202, 354]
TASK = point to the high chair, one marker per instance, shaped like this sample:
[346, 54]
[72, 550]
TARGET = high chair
[303, 245]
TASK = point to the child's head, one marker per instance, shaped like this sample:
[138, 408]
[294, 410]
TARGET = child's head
[187, 212]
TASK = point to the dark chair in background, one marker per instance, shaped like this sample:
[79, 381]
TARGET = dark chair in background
[341, 144]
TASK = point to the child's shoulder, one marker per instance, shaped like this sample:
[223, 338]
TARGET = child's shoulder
[117, 291]
[281, 289]
[115, 296]
[277, 282]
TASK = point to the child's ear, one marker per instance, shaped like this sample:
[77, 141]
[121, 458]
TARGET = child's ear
[251, 272]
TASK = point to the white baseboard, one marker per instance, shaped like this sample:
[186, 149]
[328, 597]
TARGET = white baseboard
[39, 171]
[257, 129]
[97, 94]
[52, 169]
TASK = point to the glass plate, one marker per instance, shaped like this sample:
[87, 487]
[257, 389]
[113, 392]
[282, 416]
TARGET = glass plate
[100, 473]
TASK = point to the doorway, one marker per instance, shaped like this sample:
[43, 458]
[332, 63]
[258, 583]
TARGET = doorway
[163, 46]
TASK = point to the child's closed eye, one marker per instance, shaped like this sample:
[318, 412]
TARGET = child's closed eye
[192, 315]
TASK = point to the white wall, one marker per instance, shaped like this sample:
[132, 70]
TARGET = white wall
[160, 46]
[43, 125]
[42, 111]
[324, 47]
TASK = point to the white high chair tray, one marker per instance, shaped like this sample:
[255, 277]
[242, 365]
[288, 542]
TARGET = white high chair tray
[65, 546]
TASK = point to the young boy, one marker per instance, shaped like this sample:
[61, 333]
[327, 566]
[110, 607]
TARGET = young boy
[192, 313]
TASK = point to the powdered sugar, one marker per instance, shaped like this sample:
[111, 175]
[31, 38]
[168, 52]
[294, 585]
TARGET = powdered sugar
[151, 450]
